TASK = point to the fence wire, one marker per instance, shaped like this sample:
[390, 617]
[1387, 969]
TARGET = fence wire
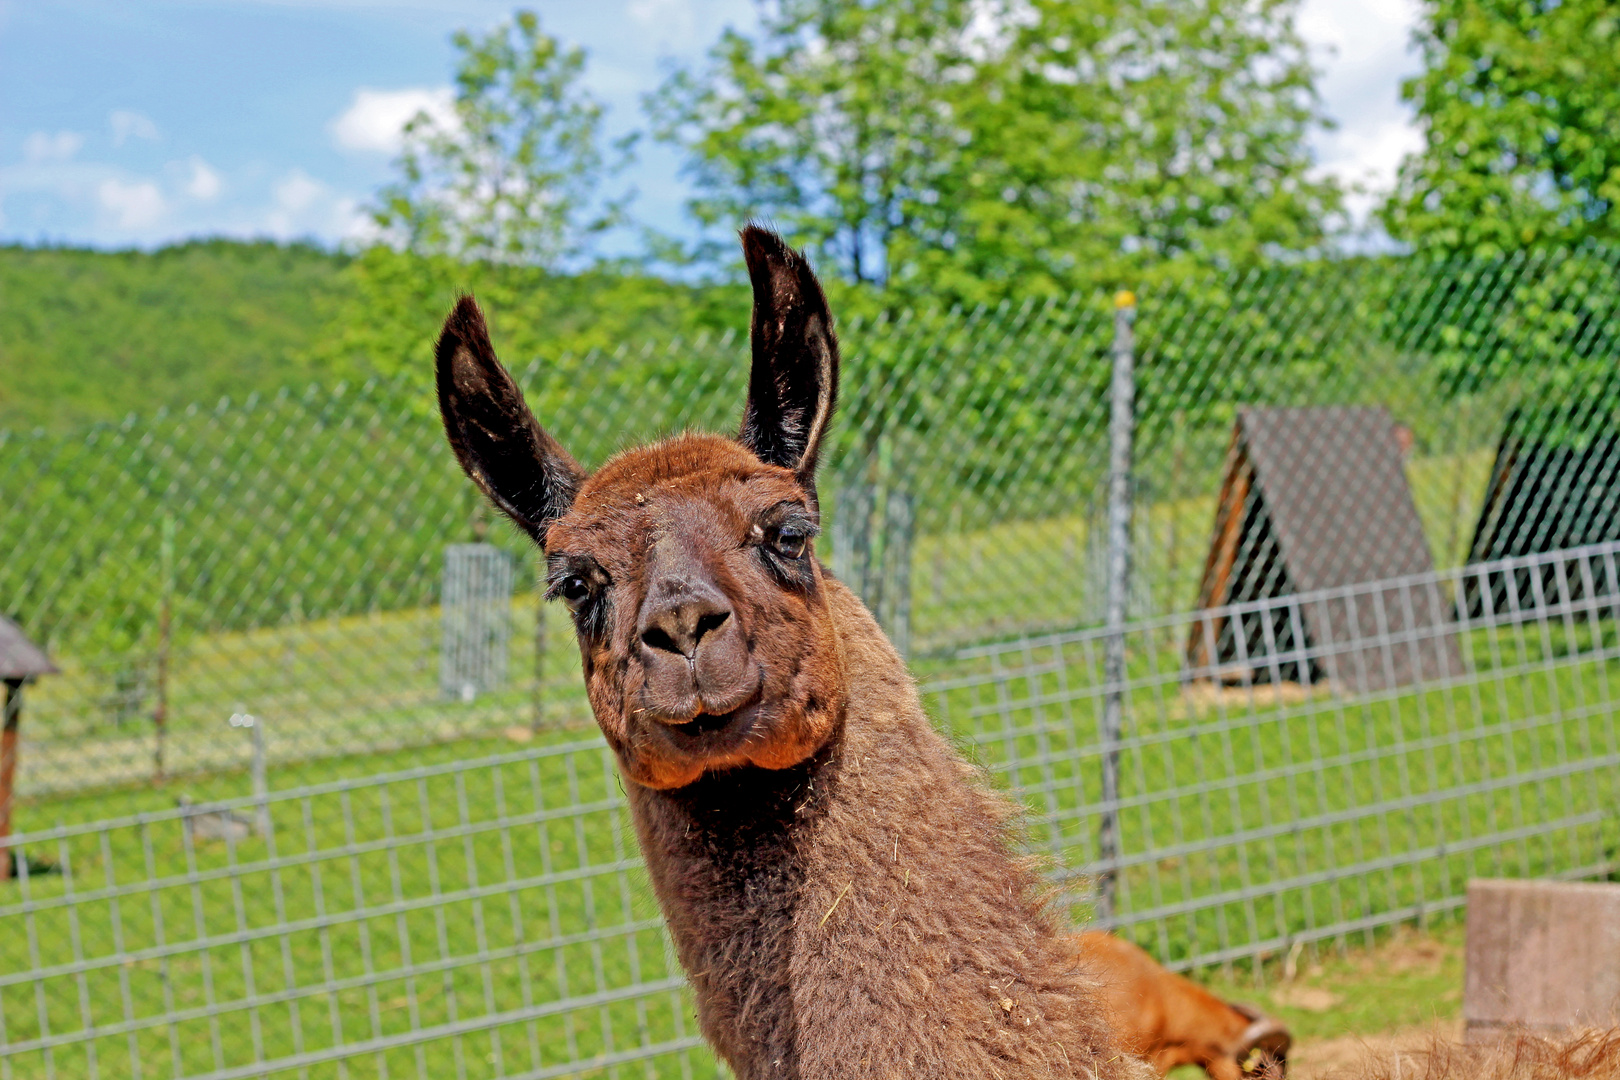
[316, 791]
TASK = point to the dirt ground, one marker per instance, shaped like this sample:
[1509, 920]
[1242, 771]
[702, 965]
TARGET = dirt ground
[1319, 1059]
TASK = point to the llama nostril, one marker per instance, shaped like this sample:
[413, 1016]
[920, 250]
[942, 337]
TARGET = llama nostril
[707, 623]
[654, 638]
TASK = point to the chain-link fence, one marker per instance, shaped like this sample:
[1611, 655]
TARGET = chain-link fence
[287, 558]
[1322, 702]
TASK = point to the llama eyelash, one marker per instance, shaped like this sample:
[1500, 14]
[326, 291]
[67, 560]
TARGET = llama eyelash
[589, 611]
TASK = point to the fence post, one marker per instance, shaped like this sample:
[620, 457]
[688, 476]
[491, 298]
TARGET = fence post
[160, 711]
[1121, 432]
[538, 721]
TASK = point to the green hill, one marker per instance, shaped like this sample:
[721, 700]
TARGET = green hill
[94, 335]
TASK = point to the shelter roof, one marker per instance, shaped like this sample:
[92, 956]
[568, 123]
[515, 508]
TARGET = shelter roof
[19, 657]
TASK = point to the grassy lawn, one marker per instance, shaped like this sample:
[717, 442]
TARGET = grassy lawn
[488, 918]
[1247, 822]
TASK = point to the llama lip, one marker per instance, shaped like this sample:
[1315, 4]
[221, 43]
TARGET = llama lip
[705, 724]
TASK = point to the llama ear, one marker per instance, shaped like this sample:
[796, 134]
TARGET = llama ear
[793, 382]
[524, 471]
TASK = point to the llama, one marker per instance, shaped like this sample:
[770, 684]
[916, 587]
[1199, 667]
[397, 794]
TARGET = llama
[839, 886]
[1171, 1021]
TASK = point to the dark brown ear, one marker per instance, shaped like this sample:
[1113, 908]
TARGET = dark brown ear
[524, 471]
[793, 383]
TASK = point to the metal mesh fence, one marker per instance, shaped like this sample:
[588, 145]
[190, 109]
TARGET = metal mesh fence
[1369, 651]
[491, 918]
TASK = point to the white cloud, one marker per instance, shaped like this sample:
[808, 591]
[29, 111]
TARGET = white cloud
[204, 183]
[40, 147]
[301, 205]
[132, 205]
[297, 191]
[1363, 50]
[127, 124]
[667, 24]
[375, 119]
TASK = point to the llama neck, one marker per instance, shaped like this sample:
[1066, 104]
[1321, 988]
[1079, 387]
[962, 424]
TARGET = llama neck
[726, 858]
[815, 906]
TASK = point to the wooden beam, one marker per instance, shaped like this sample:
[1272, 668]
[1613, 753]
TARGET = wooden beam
[8, 768]
[1229, 514]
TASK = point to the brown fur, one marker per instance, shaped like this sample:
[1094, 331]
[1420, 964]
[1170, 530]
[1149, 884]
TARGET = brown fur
[1588, 1055]
[1171, 1021]
[840, 887]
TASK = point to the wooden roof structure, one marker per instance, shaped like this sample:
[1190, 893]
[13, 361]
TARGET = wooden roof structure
[1316, 499]
[1555, 484]
[20, 658]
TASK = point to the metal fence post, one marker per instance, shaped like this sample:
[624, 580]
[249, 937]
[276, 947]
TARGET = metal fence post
[1121, 432]
[160, 712]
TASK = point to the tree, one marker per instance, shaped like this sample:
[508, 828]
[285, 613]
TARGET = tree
[508, 176]
[984, 149]
[1520, 108]
[837, 124]
[1119, 136]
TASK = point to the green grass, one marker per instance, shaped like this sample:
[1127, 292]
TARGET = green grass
[456, 898]
[1411, 977]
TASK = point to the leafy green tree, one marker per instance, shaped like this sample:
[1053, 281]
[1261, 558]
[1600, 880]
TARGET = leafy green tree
[1520, 108]
[385, 323]
[1116, 136]
[837, 125]
[980, 150]
[512, 175]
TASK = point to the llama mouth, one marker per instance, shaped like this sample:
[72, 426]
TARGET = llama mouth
[705, 724]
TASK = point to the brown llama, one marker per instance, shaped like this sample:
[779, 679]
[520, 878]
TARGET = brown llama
[839, 886]
[1170, 1020]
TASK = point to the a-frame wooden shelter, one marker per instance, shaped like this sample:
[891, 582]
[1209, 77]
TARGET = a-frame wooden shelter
[1313, 503]
[1555, 484]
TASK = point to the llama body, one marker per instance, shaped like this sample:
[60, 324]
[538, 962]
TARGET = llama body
[841, 890]
[1171, 1021]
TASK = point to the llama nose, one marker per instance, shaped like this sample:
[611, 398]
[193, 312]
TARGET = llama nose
[680, 623]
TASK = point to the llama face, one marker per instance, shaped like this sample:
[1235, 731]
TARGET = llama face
[688, 565]
[690, 570]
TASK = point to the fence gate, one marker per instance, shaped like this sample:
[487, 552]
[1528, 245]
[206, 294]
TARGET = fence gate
[477, 602]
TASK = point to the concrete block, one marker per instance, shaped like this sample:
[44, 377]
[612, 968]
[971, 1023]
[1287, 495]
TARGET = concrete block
[1541, 955]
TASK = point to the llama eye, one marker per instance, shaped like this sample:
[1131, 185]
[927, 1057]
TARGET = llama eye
[574, 589]
[789, 542]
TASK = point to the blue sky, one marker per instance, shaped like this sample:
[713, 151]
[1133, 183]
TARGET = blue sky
[141, 122]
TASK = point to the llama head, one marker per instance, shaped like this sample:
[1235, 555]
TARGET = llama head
[688, 565]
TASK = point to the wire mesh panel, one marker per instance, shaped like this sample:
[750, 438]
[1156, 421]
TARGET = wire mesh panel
[378, 887]
[491, 918]
[484, 919]
[477, 611]
[1274, 805]
[282, 557]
